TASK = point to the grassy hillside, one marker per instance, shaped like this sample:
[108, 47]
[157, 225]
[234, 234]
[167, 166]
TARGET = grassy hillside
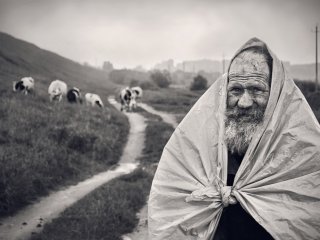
[19, 59]
[44, 145]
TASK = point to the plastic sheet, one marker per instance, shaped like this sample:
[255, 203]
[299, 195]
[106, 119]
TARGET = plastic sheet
[278, 181]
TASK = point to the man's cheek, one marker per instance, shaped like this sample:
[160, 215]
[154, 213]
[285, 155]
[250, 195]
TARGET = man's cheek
[232, 100]
[262, 100]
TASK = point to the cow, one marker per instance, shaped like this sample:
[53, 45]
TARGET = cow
[25, 85]
[93, 99]
[74, 95]
[127, 99]
[136, 96]
[57, 89]
[138, 91]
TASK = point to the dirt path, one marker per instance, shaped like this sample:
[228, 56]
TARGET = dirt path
[166, 117]
[33, 217]
[141, 231]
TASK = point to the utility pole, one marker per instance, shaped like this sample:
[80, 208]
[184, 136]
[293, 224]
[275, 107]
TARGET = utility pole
[317, 58]
[223, 64]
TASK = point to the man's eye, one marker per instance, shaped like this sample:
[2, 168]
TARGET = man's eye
[257, 90]
[236, 90]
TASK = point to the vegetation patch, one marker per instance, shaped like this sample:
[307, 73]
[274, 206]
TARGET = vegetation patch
[107, 213]
[44, 145]
[172, 100]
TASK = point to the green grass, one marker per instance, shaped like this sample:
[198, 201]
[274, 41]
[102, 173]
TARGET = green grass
[44, 145]
[110, 211]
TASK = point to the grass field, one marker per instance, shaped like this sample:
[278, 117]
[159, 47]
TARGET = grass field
[110, 211]
[107, 213]
[46, 145]
[174, 100]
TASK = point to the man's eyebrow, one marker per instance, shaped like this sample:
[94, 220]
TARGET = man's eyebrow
[257, 75]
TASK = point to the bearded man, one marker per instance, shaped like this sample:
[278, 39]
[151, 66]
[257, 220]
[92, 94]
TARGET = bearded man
[244, 162]
[248, 91]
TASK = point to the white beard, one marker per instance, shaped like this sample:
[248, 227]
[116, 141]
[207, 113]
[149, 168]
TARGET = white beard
[238, 135]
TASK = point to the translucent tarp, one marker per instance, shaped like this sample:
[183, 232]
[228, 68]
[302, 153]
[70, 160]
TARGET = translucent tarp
[278, 181]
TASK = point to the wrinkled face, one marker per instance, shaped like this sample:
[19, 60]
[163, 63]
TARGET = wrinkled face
[247, 97]
[249, 79]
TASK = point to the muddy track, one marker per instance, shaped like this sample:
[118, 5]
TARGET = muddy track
[31, 219]
[141, 231]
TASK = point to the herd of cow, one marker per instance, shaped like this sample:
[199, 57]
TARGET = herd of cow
[58, 89]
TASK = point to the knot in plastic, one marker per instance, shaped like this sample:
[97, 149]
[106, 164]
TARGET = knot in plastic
[226, 196]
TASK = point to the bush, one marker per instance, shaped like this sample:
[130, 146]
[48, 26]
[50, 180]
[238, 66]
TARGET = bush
[161, 79]
[134, 83]
[150, 85]
[199, 83]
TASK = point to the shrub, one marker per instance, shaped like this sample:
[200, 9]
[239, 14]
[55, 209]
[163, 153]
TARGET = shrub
[150, 85]
[161, 79]
[199, 83]
[134, 83]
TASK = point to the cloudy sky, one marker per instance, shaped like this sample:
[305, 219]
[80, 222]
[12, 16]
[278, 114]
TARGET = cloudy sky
[143, 32]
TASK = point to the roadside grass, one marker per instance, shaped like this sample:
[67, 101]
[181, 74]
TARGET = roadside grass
[172, 100]
[44, 145]
[107, 213]
[111, 210]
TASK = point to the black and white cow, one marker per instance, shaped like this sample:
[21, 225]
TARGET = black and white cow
[74, 95]
[127, 99]
[25, 85]
[57, 89]
[136, 96]
[138, 91]
[93, 99]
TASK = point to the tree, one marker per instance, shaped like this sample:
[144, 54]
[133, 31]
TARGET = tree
[161, 79]
[199, 83]
[107, 66]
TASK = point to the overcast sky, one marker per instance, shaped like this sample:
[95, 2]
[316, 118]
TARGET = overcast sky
[143, 32]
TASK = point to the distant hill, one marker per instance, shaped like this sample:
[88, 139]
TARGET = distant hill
[19, 58]
[303, 71]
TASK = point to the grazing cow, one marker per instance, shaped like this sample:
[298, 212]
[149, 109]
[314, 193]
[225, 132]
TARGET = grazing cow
[93, 100]
[136, 96]
[25, 85]
[138, 91]
[127, 99]
[57, 90]
[74, 95]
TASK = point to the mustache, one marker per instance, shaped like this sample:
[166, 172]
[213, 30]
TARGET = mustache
[254, 114]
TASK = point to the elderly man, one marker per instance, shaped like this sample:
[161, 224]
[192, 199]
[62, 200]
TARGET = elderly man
[244, 162]
[248, 91]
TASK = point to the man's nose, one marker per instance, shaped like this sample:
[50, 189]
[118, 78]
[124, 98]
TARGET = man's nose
[245, 100]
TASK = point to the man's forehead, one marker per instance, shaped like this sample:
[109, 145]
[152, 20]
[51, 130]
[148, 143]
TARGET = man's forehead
[250, 62]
